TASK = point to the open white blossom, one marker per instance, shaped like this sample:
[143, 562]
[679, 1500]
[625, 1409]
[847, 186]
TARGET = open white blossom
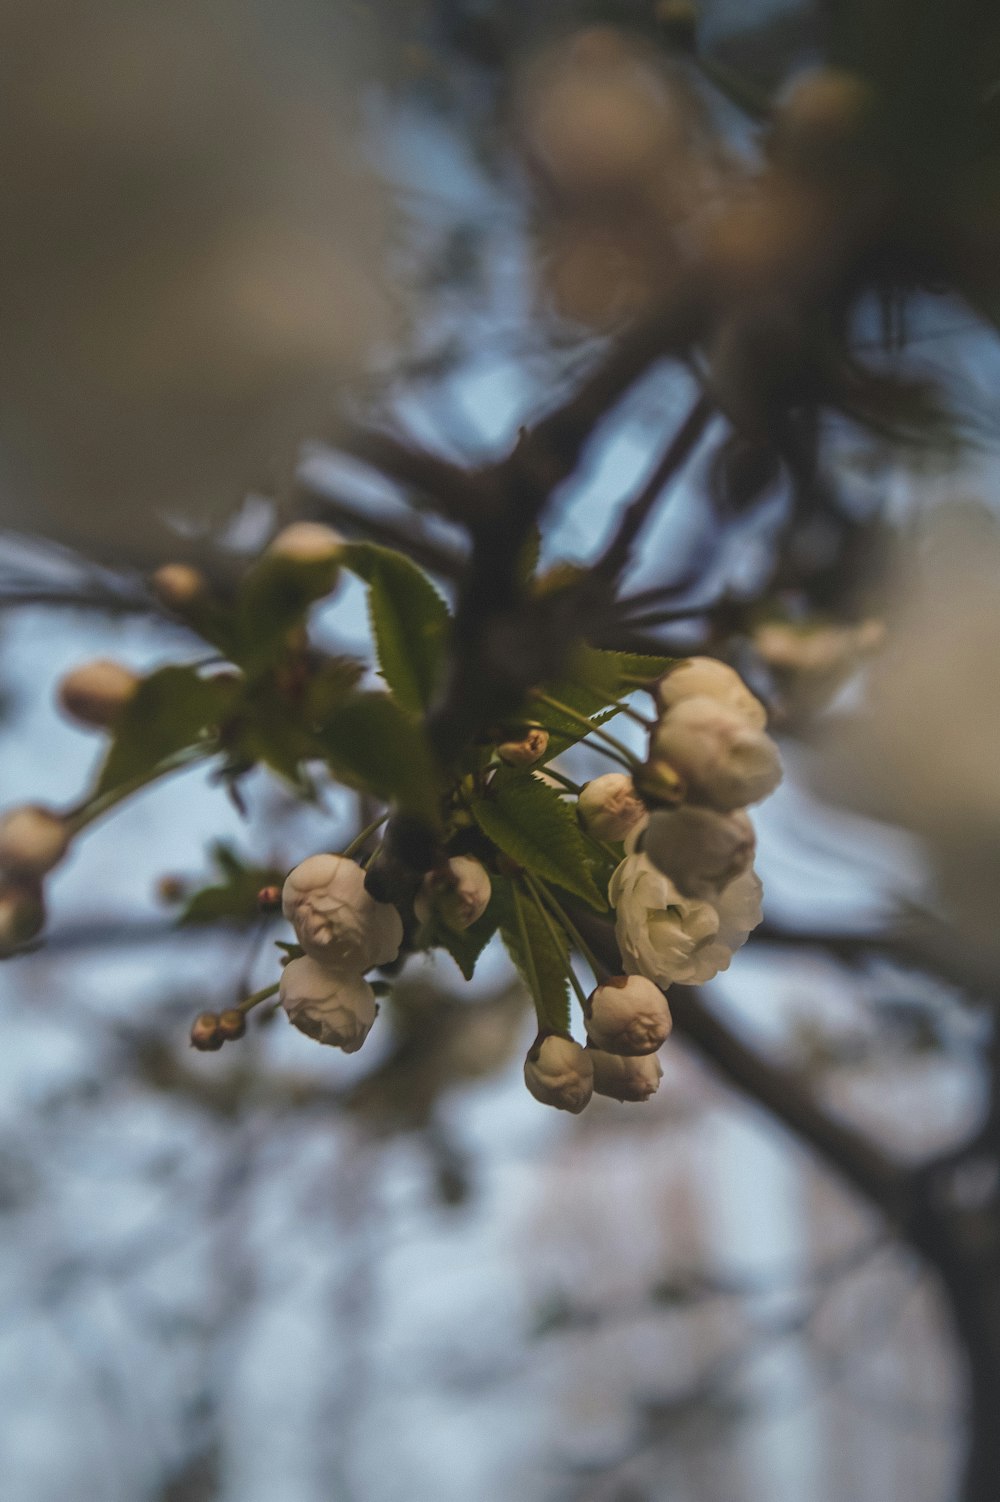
[724, 761]
[459, 893]
[332, 1006]
[708, 678]
[658, 930]
[306, 542]
[335, 919]
[610, 807]
[32, 840]
[558, 1072]
[739, 912]
[700, 849]
[96, 692]
[625, 1079]
[628, 1015]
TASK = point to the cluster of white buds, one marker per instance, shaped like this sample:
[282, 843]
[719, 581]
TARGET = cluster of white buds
[690, 898]
[627, 1020]
[344, 932]
[458, 892]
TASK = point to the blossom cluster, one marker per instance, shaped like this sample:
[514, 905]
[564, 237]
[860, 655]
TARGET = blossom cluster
[685, 896]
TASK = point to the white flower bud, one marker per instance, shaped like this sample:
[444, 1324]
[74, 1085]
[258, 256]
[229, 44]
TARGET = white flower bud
[527, 749]
[700, 849]
[459, 894]
[657, 929]
[558, 1072]
[708, 678]
[32, 840]
[723, 760]
[332, 1006]
[22, 914]
[178, 585]
[306, 542]
[624, 1078]
[335, 919]
[96, 692]
[627, 1015]
[610, 807]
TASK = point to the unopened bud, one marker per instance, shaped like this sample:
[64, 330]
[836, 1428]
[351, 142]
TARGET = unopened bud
[627, 1015]
[625, 1079]
[459, 893]
[33, 839]
[659, 784]
[205, 1034]
[96, 692]
[22, 913]
[178, 585]
[610, 807]
[269, 899]
[306, 542]
[525, 749]
[558, 1072]
[171, 889]
[232, 1024]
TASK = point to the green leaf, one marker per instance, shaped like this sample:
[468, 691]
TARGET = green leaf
[593, 681]
[375, 746]
[409, 621]
[527, 820]
[234, 899]
[545, 974]
[169, 711]
[465, 947]
[274, 597]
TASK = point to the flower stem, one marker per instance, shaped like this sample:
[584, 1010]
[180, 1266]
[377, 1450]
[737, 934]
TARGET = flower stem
[601, 972]
[258, 996]
[570, 786]
[629, 758]
[359, 839]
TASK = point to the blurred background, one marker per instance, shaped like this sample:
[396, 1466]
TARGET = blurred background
[229, 231]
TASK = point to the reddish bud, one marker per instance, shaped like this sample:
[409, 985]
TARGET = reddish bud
[269, 899]
[205, 1034]
[232, 1024]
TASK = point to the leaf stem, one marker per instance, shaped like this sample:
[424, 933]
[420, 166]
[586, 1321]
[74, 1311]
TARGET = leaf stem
[558, 940]
[601, 972]
[103, 802]
[529, 958]
[630, 759]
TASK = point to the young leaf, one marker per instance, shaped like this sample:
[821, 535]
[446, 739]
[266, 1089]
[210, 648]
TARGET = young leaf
[375, 746]
[465, 947]
[527, 821]
[274, 597]
[409, 621]
[548, 962]
[169, 711]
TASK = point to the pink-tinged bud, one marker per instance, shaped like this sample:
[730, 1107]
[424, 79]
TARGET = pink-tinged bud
[232, 1024]
[558, 1072]
[625, 1078]
[205, 1034]
[306, 542]
[708, 678]
[459, 893]
[96, 692]
[171, 889]
[32, 840]
[725, 762]
[269, 899]
[22, 913]
[526, 749]
[628, 1015]
[334, 1007]
[610, 808]
[335, 919]
[178, 585]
